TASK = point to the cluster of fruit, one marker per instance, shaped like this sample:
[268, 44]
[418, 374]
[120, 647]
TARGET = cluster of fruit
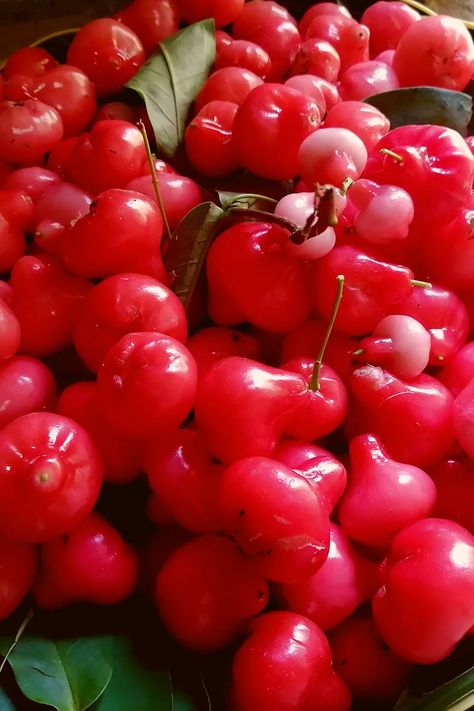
[312, 442]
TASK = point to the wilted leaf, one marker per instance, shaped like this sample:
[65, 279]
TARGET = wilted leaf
[425, 105]
[170, 81]
[186, 251]
[249, 201]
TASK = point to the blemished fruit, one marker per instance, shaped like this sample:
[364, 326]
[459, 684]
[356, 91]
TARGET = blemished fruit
[288, 381]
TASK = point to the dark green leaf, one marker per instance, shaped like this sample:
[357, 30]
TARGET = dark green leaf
[187, 249]
[455, 695]
[134, 687]
[69, 675]
[170, 81]
[245, 200]
[425, 104]
[5, 703]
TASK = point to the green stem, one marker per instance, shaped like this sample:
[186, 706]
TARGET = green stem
[315, 382]
[423, 284]
[154, 178]
[392, 154]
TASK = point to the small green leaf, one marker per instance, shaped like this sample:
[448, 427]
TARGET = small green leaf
[5, 703]
[425, 105]
[69, 675]
[455, 695]
[245, 200]
[187, 249]
[170, 81]
[134, 687]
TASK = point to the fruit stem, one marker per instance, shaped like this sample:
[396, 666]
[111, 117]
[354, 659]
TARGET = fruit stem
[346, 185]
[315, 382]
[423, 284]
[392, 154]
[154, 178]
[358, 352]
[263, 216]
[21, 629]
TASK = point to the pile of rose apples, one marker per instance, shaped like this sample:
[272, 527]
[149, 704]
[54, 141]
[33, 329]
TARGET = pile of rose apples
[309, 448]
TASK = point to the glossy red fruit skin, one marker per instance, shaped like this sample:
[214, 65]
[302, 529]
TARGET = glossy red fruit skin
[345, 580]
[222, 11]
[436, 51]
[454, 480]
[276, 295]
[244, 54]
[446, 252]
[387, 22]
[227, 84]
[125, 303]
[46, 302]
[272, 27]
[209, 140]
[50, 476]
[281, 646]
[121, 456]
[147, 384]
[55, 209]
[320, 411]
[426, 603]
[10, 333]
[372, 288]
[347, 36]
[276, 518]
[269, 128]
[457, 373]
[242, 407]
[306, 339]
[321, 8]
[315, 56]
[26, 385]
[28, 60]
[109, 156]
[412, 418]
[18, 568]
[329, 693]
[28, 130]
[326, 475]
[444, 316]
[208, 345]
[178, 193]
[370, 669]
[90, 563]
[108, 52]
[33, 181]
[364, 120]
[63, 87]
[438, 193]
[181, 472]
[383, 495]
[151, 21]
[206, 591]
[121, 233]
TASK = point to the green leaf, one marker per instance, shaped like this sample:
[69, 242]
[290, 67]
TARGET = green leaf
[187, 249]
[5, 703]
[170, 81]
[69, 675]
[425, 105]
[455, 695]
[134, 687]
[245, 200]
